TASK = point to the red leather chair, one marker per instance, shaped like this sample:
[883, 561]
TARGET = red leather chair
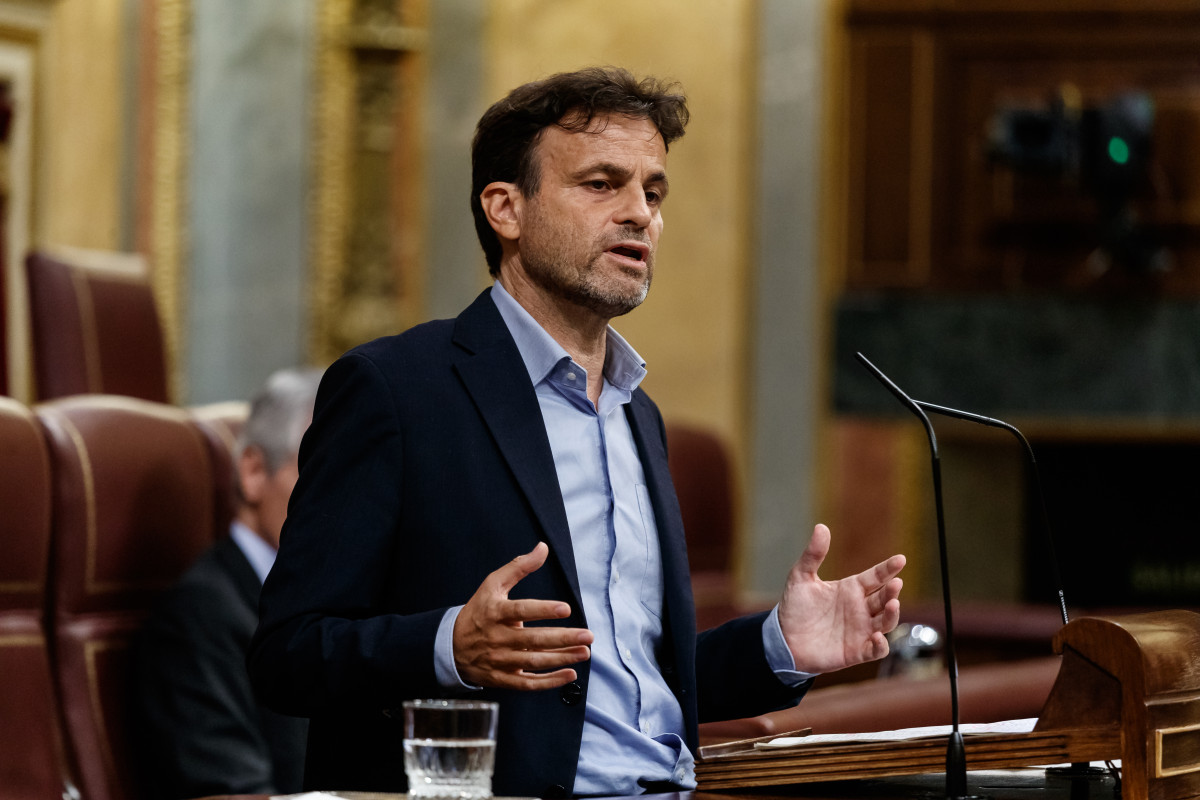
[703, 477]
[32, 757]
[136, 498]
[704, 483]
[95, 325]
[223, 420]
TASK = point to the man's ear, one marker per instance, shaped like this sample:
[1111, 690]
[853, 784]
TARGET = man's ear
[252, 474]
[502, 204]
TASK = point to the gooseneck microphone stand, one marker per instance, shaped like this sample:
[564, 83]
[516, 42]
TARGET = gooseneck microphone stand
[1037, 480]
[956, 757]
[1079, 769]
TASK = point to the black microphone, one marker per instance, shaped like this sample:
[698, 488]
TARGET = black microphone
[1076, 770]
[1037, 481]
[956, 757]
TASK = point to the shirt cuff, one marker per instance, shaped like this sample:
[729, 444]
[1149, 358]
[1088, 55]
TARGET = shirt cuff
[779, 656]
[443, 655]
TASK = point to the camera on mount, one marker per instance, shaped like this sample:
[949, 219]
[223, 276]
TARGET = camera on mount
[1103, 149]
[1106, 147]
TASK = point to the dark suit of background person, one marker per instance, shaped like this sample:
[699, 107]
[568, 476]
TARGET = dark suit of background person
[428, 468]
[199, 722]
[202, 725]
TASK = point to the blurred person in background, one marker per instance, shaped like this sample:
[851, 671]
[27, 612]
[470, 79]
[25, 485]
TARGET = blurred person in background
[195, 710]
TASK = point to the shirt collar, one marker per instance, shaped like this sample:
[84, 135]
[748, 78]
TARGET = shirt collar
[623, 367]
[260, 554]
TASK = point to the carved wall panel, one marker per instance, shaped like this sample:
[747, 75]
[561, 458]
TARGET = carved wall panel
[942, 196]
[21, 41]
[366, 216]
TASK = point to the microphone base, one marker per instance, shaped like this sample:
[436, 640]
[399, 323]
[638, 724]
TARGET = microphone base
[1082, 777]
[956, 771]
[1078, 770]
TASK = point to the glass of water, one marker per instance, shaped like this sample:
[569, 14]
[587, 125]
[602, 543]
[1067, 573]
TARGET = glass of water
[449, 748]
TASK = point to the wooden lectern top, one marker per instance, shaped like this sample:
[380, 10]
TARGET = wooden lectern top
[1128, 689]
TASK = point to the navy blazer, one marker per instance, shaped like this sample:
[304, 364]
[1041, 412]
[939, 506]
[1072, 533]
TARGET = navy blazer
[427, 467]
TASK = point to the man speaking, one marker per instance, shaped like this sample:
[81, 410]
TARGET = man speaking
[484, 507]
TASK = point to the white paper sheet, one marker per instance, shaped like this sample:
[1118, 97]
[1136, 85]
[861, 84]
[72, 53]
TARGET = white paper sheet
[1007, 726]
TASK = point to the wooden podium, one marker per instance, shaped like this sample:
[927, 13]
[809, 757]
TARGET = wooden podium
[1128, 689]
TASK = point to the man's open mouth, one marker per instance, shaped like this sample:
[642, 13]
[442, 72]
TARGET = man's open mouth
[636, 252]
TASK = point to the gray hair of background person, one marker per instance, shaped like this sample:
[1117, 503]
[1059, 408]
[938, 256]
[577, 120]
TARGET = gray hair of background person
[279, 415]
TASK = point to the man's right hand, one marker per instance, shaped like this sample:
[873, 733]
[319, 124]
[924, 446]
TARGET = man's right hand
[492, 646]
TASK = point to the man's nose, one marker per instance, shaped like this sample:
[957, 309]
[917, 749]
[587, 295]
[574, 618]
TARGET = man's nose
[634, 209]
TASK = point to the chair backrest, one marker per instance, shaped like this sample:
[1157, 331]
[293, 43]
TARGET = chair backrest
[223, 420]
[222, 423]
[32, 757]
[95, 325]
[136, 498]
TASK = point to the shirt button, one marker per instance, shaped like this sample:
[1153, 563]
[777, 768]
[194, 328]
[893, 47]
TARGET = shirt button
[570, 376]
[628, 655]
[616, 576]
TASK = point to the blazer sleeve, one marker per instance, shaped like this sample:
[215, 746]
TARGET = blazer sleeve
[733, 679]
[325, 640]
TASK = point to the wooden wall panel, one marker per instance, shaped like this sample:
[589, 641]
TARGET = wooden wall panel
[928, 205]
[889, 179]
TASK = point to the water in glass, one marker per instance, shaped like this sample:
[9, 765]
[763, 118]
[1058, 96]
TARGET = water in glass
[460, 769]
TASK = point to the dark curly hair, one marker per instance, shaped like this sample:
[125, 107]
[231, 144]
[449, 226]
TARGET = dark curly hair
[505, 138]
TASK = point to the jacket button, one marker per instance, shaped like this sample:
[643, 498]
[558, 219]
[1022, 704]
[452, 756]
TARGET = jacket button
[555, 792]
[571, 694]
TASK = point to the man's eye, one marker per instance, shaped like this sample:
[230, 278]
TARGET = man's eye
[653, 197]
[598, 185]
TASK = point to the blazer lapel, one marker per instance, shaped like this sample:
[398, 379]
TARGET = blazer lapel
[679, 612]
[495, 376]
[235, 563]
[648, 435]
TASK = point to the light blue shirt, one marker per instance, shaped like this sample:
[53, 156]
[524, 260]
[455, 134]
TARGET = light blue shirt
[260, 554]
[633, 723]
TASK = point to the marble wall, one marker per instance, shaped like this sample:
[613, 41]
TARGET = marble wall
[1031, 356]
[250, 88]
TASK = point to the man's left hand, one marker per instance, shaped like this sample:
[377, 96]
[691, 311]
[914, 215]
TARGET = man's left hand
[829, 625]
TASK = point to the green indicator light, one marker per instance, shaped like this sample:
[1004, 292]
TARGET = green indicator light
[1118, 150]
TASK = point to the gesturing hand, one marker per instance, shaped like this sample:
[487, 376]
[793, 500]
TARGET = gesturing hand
[492, 646]
[829, 625]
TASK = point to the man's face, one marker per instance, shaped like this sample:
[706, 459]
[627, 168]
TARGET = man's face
[273, 504]
[589, 233]
[265, 493]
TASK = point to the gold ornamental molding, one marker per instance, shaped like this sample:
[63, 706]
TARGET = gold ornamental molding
[21, 37]
[168, 232]
[330, 167]
[385, 37]
[365, 234]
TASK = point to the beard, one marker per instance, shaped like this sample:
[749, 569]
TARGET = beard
[562, 264]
